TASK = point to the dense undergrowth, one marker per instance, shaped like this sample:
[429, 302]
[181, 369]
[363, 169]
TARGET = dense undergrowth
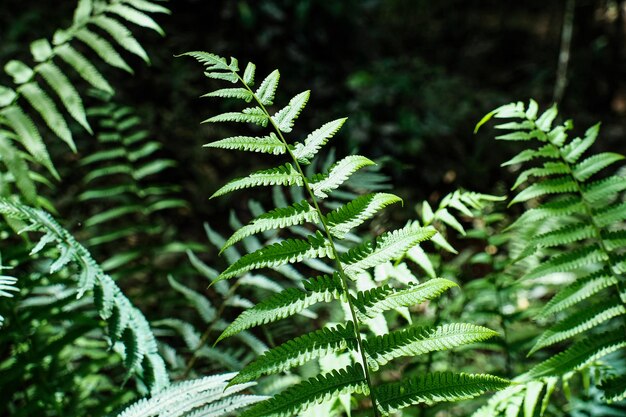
[306, 311]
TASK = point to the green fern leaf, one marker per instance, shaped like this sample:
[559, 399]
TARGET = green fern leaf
[135, 16]
[18, 167]
[549, 168]
[322, 184]
[239, 93]
[418, 341]
[282, 253]
[574, 150]
[357, 211]
[315, 140]
[266, 91]
[286, 116]
[565, 235]
[83, 67]
[29, 136]
[435, 387]
[590, 166]
[48, 111]
[546, 151]
[580, 290]
[193, 396]
[563, 207]
[603, 189]
[66, 92]
[248, 74]
[287, 303]
[279, 218]
[147, 6]
[372, 302]
[298, 398]
[122, 36]
[569, 261]
[254, 115]
[579, 355]
[579, 322]
[267, 144]
[557, 185]
[610, 214]
[386, 247]
[103, 49]
[298, 351]
[283, 175]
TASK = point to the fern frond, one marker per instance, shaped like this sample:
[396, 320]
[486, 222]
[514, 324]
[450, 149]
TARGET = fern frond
[435, 387]
[556, 208]
[386, 247]
[283, 175]
[548, 168]
[322, 184]
[135, 16]
[546, 151]
[240, 93]
[103, 49]
[195, 395]
[579, 355]
[254, 115]
[298, 351]
[594, 164]
[603, 189]
[126, 323]
[299, 397]
[267, 89]
[286, 116]
[565, 235]
[351, 215]
[282, 253]
[18, 167]
[279, 218]
[121, 35]
[610, 214]
[569, 261]
[66, 92]
[29, 136]
[372, 302]
[287, 303]
[558, 185]
[579, 322]
[574, 150]
[580, 290]
[304, 152]
[83, 67]
[419, 340]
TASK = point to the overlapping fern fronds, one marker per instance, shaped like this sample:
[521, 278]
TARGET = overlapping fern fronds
[121, 200]
[129, 331]
[102, 26]
[321, 243]
[579, 212]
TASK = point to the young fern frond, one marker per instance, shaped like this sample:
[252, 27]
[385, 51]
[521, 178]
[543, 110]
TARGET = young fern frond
[17, 117]
[128, 328]
[7, 288]
[357, 376]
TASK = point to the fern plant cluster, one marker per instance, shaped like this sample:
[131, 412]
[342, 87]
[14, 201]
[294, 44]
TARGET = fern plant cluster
[312, 315]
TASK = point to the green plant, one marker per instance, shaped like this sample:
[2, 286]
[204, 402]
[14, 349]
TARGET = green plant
[370, 353]
[34, 84]
[578, 215]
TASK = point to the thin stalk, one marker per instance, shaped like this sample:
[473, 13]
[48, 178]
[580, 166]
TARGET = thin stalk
[342, 274]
